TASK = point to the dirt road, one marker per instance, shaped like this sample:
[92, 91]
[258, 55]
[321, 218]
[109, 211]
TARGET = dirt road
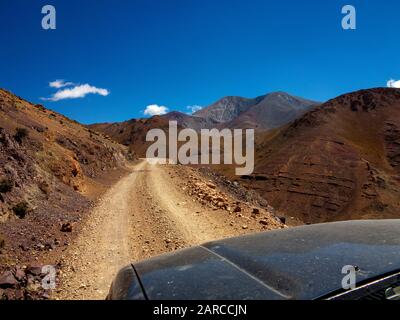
[144, 214]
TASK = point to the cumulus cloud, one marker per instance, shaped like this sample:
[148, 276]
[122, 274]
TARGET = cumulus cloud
[194, 108]
[393, 83]
[155, 110]
[76, 91]
[60, 84]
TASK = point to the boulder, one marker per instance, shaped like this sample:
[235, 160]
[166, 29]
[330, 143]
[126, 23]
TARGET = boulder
[35, 270]
[7, 280]
[220, 205]
[20, 274]
[282, 219]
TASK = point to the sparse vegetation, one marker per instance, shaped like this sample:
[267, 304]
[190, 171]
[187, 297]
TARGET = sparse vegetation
[20, 134]
[6, 185]
[21, 209]
[40, 107]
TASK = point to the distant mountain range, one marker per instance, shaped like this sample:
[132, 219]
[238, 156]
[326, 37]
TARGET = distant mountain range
[265, 112]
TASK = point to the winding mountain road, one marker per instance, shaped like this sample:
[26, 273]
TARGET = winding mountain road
[142, 215]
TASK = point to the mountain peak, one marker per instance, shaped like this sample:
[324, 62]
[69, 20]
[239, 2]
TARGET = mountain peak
[266, 111]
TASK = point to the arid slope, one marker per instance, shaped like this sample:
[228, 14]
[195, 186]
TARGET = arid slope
[339, 161]
[50, 167]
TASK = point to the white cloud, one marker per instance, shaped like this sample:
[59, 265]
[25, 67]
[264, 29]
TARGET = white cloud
[393, 83]
[60, 84]
[78, 91]
[194, 108]
[155, 110]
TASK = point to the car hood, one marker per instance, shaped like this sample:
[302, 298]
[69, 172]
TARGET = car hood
[297, 263]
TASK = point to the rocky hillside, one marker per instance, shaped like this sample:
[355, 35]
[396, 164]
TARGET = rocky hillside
[132, 133]
[49, 167]
[339, 161]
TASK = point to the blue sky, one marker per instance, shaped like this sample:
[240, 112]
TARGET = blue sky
[179, 53]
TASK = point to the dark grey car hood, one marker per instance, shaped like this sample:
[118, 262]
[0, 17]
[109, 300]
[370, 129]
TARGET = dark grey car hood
[297, 263]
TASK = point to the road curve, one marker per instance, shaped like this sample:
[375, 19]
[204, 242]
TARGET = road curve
[142, 215]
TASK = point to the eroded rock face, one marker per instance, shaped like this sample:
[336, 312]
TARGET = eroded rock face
[339, 161]
[313, 180]
[392, 140]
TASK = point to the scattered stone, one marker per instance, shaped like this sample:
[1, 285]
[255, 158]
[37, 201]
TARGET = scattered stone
[23, 247]
[256, 211]
[264, 222]
[19, 294]
[237, 209]
[66, 227]
[20, 274]
[220, 204]
[45, 296]
[49, 246]
[244, 227]
[282, 219]
[211, 185]
[35, 270]
[7, 280]
[39, 246]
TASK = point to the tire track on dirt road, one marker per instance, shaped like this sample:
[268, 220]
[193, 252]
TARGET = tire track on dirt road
[142, 215]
